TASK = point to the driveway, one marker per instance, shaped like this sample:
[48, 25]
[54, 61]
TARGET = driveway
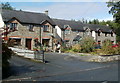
[61, 68]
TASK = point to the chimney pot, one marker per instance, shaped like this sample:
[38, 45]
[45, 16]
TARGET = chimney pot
[46, 12]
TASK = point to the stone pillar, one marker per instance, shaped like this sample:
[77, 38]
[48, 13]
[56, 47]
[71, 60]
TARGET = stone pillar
[23, 40]
[41, 34]
[32, 43]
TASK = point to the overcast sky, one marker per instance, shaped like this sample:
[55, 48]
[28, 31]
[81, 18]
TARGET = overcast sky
[68, 10]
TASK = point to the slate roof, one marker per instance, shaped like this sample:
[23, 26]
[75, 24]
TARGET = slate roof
[95, 27]
[26, 17]
[77, 38]
[75, 25]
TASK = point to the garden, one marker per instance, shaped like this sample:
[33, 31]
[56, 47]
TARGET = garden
[88, 45]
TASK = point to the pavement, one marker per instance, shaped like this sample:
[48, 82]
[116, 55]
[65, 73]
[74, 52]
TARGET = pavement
[60, 67]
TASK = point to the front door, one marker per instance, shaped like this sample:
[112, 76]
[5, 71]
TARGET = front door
[28, 43]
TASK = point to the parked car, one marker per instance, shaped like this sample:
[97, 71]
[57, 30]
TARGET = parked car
[115, 45]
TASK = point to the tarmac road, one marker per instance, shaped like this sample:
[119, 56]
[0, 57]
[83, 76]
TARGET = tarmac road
[61, 68]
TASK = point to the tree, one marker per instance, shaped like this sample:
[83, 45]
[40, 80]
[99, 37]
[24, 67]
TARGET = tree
[7, 6]
[102, 23]
[6, 55]
[90, 22]
[115, 11]
[95, 21]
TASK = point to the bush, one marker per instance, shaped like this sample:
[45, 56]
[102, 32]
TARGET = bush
[87, 44]
[65, 49]
[10, 43]
[6, 55]
[108, 49]
[76, 48]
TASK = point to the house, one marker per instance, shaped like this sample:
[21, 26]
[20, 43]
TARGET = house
[73, 31]
[30, 29]
[26, 27]
[100, 33]
[68, 30]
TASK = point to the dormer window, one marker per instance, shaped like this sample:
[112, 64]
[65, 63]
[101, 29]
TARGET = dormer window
[31, 27]
[87, 31]
[13, 26]
[46, 28]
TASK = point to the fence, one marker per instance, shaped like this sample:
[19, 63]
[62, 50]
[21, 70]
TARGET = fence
[37, 55]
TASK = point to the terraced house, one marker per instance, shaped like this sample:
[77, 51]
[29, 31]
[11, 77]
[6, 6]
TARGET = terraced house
[73, 31]
[25, 27]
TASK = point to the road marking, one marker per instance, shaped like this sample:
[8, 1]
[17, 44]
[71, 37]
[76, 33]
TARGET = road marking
[19, 79]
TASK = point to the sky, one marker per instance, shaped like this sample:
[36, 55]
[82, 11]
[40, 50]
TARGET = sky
[68, 10]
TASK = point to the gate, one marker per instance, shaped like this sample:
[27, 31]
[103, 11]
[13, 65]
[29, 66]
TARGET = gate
[39, 55]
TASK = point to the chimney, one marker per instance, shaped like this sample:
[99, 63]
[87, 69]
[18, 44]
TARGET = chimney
[46, 12]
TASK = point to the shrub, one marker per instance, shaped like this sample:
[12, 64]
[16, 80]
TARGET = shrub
[87, 44]
[6, 55]
[108, 49]
[76, 48]
[65, 49]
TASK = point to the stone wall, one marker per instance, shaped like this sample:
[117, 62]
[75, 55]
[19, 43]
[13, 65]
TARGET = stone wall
[101, 38]
[24, 33]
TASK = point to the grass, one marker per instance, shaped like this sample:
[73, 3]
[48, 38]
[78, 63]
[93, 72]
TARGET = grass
[82, 55]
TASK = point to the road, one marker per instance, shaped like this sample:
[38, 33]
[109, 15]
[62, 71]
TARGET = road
[61, 68]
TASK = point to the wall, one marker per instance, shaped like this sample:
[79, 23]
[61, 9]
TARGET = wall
[59, 31]
[49, 34]
[102, 37]
[23, 32]
[93, 34]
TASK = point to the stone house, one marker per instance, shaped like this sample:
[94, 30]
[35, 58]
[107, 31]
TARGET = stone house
[71, 32]
[26, 27]
[100, 33]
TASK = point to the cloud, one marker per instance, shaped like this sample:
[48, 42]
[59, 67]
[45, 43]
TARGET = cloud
[72, 10]
[68, 10]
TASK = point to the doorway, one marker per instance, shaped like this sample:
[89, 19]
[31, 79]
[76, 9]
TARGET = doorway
[28, 43]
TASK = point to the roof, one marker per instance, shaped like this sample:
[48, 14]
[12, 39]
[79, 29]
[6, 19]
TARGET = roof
[26, 17]
[75, 25]
[95, 27]
[77, 38]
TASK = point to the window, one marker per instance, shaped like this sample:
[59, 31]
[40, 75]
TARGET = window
[31, 27]
[17, 42]
[67, 31]
[67, 43]
[99, 42]
[46, 28]
[87, 32]
[76, 31]
[13, 26]
[112, 42]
